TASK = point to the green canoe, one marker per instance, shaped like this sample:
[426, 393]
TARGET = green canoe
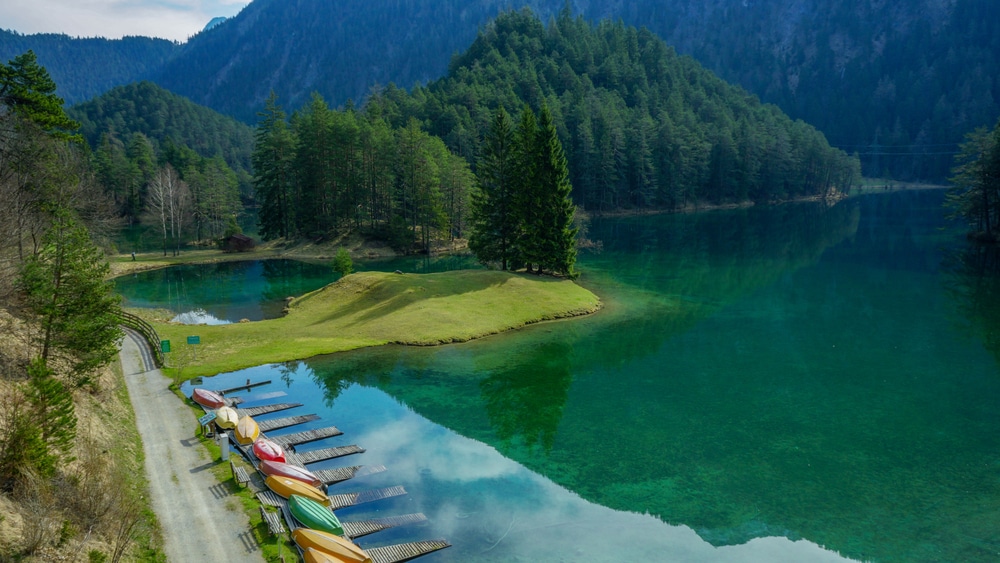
[314, 515]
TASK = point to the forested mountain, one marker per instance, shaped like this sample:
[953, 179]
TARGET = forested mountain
[84, 68]
[165, 118]
[642, 126]
[149, 144]
[899, 82]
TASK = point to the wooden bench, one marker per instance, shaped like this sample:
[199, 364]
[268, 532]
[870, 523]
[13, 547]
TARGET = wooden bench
[273, 521]
[239, 474]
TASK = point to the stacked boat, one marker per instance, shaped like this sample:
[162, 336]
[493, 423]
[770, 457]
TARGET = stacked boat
[316, 530]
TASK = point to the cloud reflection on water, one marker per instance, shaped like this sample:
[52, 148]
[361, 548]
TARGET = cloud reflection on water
[493, 509]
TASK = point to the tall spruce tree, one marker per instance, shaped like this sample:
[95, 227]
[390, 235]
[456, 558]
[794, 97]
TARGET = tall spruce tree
[273, 155]
[527, 193]
[55, 416]
[66, 288]
[975, 196]
[28, 91]
[495, 221]
[553, 230]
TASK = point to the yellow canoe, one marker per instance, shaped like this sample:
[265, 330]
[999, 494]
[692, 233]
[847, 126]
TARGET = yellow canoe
[247, 431]
[285, 487]
[341, 550]
[226, 417]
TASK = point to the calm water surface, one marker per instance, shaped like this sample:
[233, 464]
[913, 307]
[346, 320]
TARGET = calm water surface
[799, 383]
[227, 292]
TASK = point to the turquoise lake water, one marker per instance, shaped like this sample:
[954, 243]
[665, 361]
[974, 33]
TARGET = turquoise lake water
[796, 383]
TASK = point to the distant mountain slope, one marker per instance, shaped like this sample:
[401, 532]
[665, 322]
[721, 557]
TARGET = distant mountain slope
[161, 115]
[900, 82]
[339, 49]
[641, 126]
[84, 68]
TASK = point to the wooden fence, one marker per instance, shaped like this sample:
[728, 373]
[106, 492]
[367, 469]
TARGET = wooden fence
[147, 331]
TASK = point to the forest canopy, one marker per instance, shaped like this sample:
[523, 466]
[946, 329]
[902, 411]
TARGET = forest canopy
[642, 126]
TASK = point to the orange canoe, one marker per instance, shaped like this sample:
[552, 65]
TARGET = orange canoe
[341, 549]
[285, 487]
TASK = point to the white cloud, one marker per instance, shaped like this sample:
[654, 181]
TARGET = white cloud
[173, 19]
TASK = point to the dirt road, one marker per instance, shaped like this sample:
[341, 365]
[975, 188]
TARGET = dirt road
[200, 520]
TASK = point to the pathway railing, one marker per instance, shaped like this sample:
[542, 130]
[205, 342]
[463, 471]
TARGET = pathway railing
[146, 330]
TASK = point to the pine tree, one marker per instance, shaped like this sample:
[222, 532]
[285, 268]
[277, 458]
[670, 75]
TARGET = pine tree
[976, 195]
[527, 193]
[272, 159]
[494, 221]
[27, 90]
[66, 288]
[52, 409]
[555, 233]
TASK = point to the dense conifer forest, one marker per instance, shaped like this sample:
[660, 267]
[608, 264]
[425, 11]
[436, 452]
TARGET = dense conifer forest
[83, 68]
[847, 68]
[642, 126]
[153, 149]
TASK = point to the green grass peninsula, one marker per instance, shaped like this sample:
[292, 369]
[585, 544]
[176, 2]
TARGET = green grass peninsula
[375, 308]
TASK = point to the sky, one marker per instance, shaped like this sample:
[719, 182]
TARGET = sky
[176, 20]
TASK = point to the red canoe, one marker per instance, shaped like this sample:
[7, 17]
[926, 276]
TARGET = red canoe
[278, 469]
[207, 398]
[266, 450]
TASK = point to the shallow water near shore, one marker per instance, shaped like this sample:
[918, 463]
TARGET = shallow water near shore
[761, 383]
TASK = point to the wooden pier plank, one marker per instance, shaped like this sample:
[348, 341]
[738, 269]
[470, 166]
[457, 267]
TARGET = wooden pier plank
[278, 423]
[350, 499]
[366, 527]
[265, 409]
[303, 437]
[270, 498]
[339, 474]
[242, 387]
[313, 456]
[404, 551]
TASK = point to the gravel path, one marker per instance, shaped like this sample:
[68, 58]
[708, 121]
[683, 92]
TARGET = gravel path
[199, 518]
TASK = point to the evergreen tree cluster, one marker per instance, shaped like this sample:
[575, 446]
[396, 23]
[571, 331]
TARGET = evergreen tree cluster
[165, 118]
[325, 172]
[85, 67]
[50, 269]
[522, 214]
[642, 126]
[138, 130]
[975, 196]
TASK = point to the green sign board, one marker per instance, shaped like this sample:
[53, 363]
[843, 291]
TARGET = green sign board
[164, 346]
[207, 418]
[194, 340]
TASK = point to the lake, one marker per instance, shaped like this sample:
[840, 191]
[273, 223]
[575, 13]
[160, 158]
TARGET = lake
[794, 383]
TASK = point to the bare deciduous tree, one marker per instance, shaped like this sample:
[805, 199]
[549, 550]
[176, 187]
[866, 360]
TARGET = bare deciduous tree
[169, 203]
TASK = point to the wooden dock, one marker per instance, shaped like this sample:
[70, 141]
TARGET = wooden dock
[350, 499]
[265, 409]
[302, 458]
[278, 423]
[364, 527]
[332, 476]
[405, 551]
[248, 386]
[304, 437]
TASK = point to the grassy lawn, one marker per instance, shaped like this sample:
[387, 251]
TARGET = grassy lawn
[375, 308]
